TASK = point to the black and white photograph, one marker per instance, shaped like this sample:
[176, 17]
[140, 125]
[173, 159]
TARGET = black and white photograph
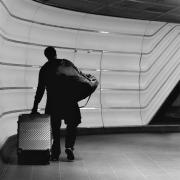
[89, 89]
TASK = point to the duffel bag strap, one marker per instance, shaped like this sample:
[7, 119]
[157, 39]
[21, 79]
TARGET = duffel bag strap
[86, 102]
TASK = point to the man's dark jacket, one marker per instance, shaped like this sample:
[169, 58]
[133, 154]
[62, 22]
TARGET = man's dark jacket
[59, 89]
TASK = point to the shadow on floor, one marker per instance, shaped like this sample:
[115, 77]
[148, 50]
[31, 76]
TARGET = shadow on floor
[8, 151]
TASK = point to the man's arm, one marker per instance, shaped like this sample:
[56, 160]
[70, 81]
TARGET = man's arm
[39, 92]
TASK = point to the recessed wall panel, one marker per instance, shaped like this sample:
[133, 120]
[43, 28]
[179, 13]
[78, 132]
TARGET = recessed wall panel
[3, 15]
[119, 80]
[160, 54]
[153, 42]
[167, 87]
[12, 76]
[110, 42]
[23, 9]
[115, 98]
[164, 63]
[156, 84]
[17, 30]
[121, 117]
[19, 100]
[15, 53]
[119, 61]
[1, 105]
[88, 59]
[35, 55]
[13, 100]
[91, 118]
[52, 36]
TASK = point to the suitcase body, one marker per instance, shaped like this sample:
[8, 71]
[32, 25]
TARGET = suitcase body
[33, 139]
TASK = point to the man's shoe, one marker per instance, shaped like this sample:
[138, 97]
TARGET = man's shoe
[70, 155]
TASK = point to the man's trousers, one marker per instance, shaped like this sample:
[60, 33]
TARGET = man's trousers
[70, 136]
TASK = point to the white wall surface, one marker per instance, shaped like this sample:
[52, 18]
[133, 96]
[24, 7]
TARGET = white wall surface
[136, 62]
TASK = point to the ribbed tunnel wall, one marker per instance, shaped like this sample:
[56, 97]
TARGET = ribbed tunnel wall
[136, 62]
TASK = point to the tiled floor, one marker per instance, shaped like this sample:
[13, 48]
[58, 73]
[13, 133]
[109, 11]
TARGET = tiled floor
[109, 157]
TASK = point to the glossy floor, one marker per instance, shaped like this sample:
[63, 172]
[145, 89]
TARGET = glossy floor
[108, 157]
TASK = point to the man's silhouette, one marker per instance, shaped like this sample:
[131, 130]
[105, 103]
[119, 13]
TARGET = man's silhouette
[60, 104]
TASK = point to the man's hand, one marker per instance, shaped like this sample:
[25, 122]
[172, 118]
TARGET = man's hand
[34, 111]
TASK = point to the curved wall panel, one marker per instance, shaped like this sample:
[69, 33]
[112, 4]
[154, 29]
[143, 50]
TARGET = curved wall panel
[117, 117]
[151, 43]
[157, 67]
[119, 80]
[133, 60]
[13, 100]
[118, 62]
[12, 76]
[14, 53]
[55, 37]
[110, 42]
[87, 59]
[22, 9]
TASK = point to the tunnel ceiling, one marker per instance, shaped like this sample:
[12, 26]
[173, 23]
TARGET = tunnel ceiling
[156, 10]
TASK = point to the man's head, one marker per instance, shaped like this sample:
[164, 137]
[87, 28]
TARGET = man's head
[50, 53]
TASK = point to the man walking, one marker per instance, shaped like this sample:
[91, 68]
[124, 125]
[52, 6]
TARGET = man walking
[60, 104]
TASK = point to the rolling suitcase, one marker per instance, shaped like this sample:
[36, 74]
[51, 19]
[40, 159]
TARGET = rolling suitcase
[34, 139]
